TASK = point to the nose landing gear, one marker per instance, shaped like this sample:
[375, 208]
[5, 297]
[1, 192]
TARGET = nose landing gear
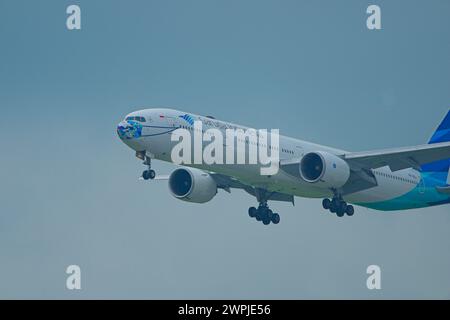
[149, 173]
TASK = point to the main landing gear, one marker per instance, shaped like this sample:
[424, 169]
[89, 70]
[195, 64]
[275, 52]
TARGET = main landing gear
[264, 214]
[339, 206]
[149, 173]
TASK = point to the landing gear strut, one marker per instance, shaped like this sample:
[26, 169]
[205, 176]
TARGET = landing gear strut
[149, 173]
[264, 214]
[338, 205]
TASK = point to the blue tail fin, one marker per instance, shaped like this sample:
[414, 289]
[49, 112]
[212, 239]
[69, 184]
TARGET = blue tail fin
[442, 134]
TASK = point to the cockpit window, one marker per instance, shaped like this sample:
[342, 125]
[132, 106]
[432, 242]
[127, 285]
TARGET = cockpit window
[140, 119]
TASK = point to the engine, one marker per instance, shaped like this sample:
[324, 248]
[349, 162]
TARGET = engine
[324, 169]
[192, 185]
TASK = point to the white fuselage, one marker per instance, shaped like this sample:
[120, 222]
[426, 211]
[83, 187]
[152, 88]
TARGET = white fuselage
[155, 139]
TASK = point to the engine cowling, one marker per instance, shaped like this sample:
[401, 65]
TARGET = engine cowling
[192, 185]
[324, 169]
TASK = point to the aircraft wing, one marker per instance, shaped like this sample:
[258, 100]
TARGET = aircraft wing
[399, 158]
[158, 177]
[227, 182]
[362, 163]
[162, 177]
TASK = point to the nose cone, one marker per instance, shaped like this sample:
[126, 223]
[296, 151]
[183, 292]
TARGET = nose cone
[129, 130]
[122, 129]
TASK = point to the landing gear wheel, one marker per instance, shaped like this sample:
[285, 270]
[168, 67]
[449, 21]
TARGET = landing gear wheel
[266, 215]
[326, 204]
[149, 174]
[333, 208]
[350, 210]
[340, 212]
[341, 208]
[275, 218]
[263, 212]
[338, 206]
[335, 205]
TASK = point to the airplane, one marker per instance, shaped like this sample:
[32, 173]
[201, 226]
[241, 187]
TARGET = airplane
[386, 180]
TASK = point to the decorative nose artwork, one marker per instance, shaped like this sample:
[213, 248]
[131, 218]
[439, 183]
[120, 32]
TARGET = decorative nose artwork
[129, 129]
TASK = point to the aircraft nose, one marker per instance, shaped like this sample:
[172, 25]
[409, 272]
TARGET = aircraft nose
[122, 129]
[129, 130]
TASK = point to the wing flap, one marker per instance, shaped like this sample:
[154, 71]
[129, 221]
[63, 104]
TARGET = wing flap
[228, 182]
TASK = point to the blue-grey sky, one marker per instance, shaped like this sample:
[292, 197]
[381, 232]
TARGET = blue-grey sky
[70, 194]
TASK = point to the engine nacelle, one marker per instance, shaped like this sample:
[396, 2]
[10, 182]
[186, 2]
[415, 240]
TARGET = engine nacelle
[324, 169]
[192, 185]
